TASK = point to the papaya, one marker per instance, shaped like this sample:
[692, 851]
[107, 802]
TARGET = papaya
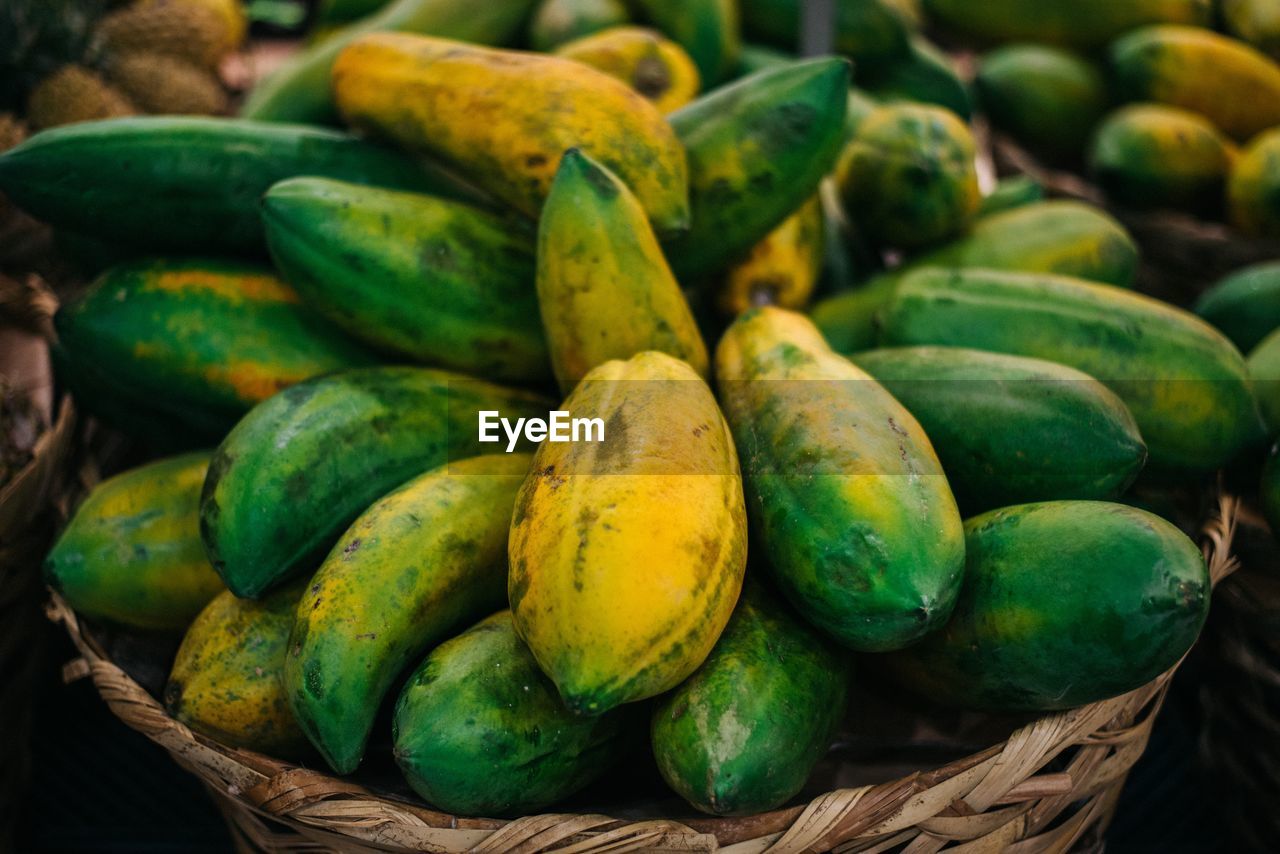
[416, 567]
[1064, 603]
[1010, 430]
[1047, 98]
[437, 281]
[1185, 383]
[331, 12]
[479, 730]
[132, 554]
[1254, 21]
[1231, 84]
[1067, 23]
[604, 289]
[618, 597]
[1253, 188]
[654, 66]
[200, 341]
[1009, 193]
[226, 681]
[186, 183]
[908, 178]
[558, 22]
[757, 57]
[783, 268]
[301, 466]
[1244, 306]
[503, 118]
[772, 670]
[300, 90]
[1264, 369]
[923, 74]
[847, 497]
[709, 30]
[1270, 491]
[757, 149]
[1153, 156]
[869, 32]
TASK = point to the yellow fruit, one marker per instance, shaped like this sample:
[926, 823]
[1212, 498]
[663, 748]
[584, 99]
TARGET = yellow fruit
[654, 66]
[166, 84]
[74, 94]
[783, 268]
[182, 28]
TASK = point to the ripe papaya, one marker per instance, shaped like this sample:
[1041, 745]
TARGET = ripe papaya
[1244, 306]
[199, 341]
[1254, 21]
[503, 118]
[1009, 193]
[783, 268]
[654, 66]
[1264, 369]
[1226, 81]
[418, 565]
[299, 91]
[438, 281]
[604, 289]
[757, 149]
[769, 669]
[1047, 98]
[301, 466]
[558, 22]
[1009, 429]
[619, 597]
[1184, 382]
[869, 32]
[1152, 156]
[186, 183]
[1064, 603]
[923, 74]
[846, 495]
[226, 680]
[479, 730]
[1253, 188]
[1068, 23]
[709, 30]
[132, 554]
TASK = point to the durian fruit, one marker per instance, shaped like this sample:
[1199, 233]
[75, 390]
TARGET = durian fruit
[37, 37]
[165, 84]
[180, 28]
[73, 93]
[13, 130]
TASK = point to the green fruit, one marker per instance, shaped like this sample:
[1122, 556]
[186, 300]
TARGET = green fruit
[1264, 369]
[416, 567]
[132, 552]
[1253, 188]
[869, 32]
[1245, 305]
[923, 74]
[708, 30]
[1270, 491]
[741, 735]
[1010, 430]
[300, 467]
[755, 57]
[1010, 193]
[1064, 603]
[559, 21]
[1186, 384]
[845, 493]
[1254, 21]
[1070, 23]
[438, 281]
[479, 730]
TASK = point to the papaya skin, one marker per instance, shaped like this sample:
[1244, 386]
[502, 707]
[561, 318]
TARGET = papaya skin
[503, 118]
[619, 598]
[1245, 305]
[1080, 24]
[654, 66]
[870, 32]
[559, 22]
[1253, 188]
[1064, 603]
[604, 288]
[132, 554]
[783, 268]
[418, 565]
[1264, 369]
[1011, 193]
[846, 495]
[708, 30]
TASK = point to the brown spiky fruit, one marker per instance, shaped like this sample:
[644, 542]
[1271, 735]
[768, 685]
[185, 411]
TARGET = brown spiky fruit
[73, 93]
[13, 130]
[37, 37]
[166, 84]
[178, 28]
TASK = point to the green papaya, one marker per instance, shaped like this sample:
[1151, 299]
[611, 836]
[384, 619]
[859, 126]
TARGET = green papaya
[1064, 603]
[301, 466]
[869, 32]
[185, 183]
[1185, 383]
[199, 342]
[132, 554]
[757, 149]
[479, 730]
[416, 567]
[1253, 188]
[438, 281]
[1264, 369]
[1068, 23]
[558, 22]
[757, 57]
[1011, 430]
[768, 669]
[1270, 491]
[845, 493]
[1009, 193]
[709, 30]
[1245, 306]
[923, 74]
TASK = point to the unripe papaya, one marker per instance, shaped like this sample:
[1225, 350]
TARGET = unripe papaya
[503, 118]
[709, 30]
[1264, 369]
[1064, 603]
[1254, 21]
[417, 566]
[1186, 384]
[1009, 193]
[923, 74]
[1069, 23]
[783, 268]
[619, 597]
[479, 730]
[441, 282]
[558, 22]
[772, 670]
[604, 289]
[1245, 306]
[869, 32]
[1226, 81]
[301, 466]
[846, 494]
[132, 552]
[654, 66]
[1253, 188]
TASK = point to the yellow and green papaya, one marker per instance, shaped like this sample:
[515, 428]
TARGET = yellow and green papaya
[1264, 369]
[923, 74]
[558, 22]
[783, 268]
[416, 567]
[627, 554]
[847, 498]
[604, 288]
[132, 554]
[1244, 306]
[1013, 192]
[227, 680]
[1064, 603]
[709, 30]
[1253, 188]
[441, 282]
[654, 66]
[1254, 21]
[503, 118]
[1233, 85]
[869, 32]
[1068, 23]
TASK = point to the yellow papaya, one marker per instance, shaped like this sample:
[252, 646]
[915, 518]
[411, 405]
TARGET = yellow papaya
[654, 66]
[783, 268]
[1253, 188]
